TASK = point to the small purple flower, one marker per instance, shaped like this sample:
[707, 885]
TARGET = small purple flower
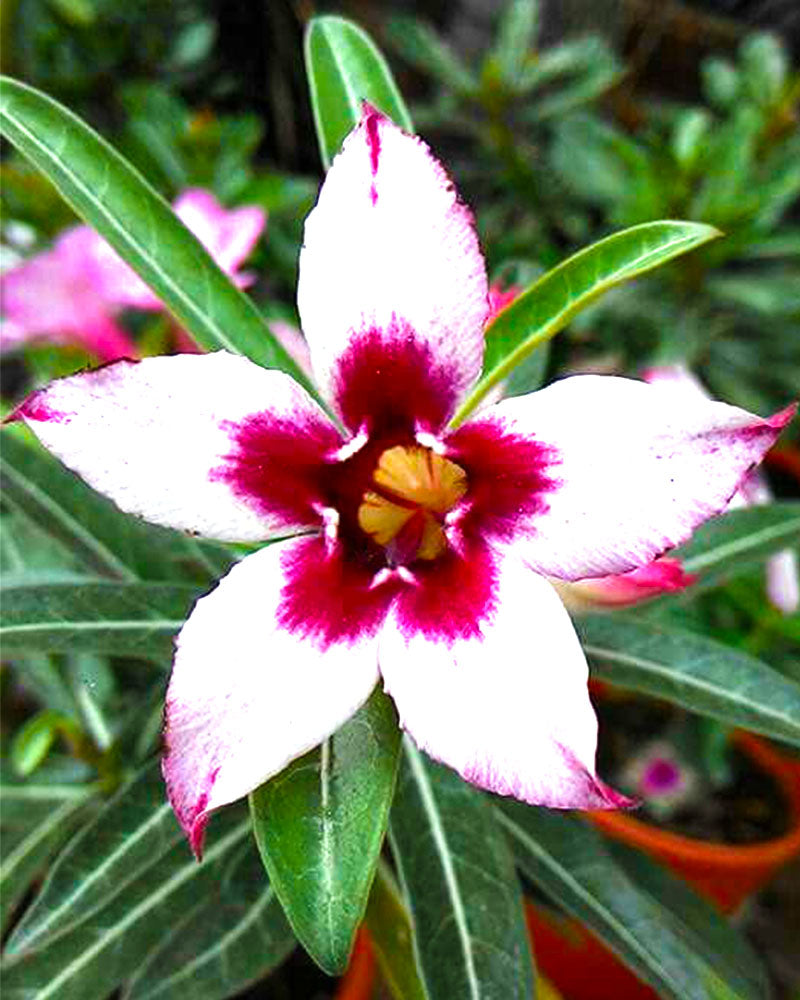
[426, 548]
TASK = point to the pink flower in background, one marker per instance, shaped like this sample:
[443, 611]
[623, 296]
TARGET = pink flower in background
[228, 235]
[60, 295]
[72, 292]
[425, 549]
[783, 578]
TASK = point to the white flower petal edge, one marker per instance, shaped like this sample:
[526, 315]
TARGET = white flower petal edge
[247, 697]
[508, 710]
[149, 434]
[389, 241]
[636, 470]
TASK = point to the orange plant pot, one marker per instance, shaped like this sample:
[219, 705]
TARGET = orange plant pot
[358, 983]
[578, 963]
[583, 968]
[724, 873]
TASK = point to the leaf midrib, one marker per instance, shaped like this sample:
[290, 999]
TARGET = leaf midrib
[443, 850]
[132, 916]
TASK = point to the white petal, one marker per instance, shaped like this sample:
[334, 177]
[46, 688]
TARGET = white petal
[635, 469]
[389, 246]
[153, 435]
[247, 696]
[508, 709]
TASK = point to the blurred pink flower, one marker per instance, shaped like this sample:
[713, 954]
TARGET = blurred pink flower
[72, 292]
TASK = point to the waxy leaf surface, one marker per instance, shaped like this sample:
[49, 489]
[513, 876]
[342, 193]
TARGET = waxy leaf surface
[459, 882]
[554, 299]
[35, 821]
[691, 670]
[325, 816]
[131, 832]
[345, 68]
[232, 937]
[90, 959]
[392, 937]
[129, 619]
[107, 541]
[732, 542]
[673, 940]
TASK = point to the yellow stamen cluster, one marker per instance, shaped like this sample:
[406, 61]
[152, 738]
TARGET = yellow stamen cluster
[413, 481]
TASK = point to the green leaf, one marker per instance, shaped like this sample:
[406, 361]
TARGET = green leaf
[458, 879]
[551, 302]
[671, 939]
[765, 68]
[775, 295]
[516, 36]
[36, 820]
[91, 957]
[326, 815]
[691, 670]
[392, 937]
[132, 831]
[344, 68]
[594, 68]
[421, 46]
[235, 936]
[689, 136]
[721, 82]
[33, 740]
[114, 198]
[732, 542]
[107, 541]
[130, 619]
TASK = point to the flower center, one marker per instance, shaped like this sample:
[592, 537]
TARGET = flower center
[413, 490]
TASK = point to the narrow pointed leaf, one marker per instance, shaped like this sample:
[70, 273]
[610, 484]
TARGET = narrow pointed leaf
[344, 68]
[421, 46]
[33, 828]
[93, 957]
[132, 831]
[673, 940]
[691, 670]
[459, 882]
[130, 619]
[325, 816]
[516, 37]
[392, 938]
[107, 541]
[235, 936]
[557, 297]
[732, 542]
[113, 197]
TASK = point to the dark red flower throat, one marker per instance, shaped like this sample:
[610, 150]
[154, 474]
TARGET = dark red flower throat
[402, 521]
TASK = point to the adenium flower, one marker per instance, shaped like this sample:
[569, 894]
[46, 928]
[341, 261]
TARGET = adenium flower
[782, 571]
[665, 575]
[426, 547]
[72, 292]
